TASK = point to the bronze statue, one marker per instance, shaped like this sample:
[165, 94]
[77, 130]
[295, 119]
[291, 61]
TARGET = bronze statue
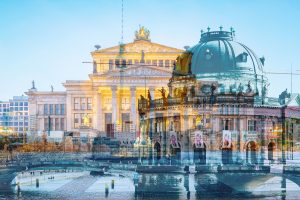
[163, 92]
[149, 95]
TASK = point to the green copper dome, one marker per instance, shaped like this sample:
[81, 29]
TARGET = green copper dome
[218, 57]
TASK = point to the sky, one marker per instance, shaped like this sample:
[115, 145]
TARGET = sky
[47, 40]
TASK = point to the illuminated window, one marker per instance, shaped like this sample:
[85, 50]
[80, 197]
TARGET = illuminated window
[107, 103]
[125, 103]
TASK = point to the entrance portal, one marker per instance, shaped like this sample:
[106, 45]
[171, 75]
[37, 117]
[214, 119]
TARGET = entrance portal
[271, 148]
[251, 152]
[157, 152]
[175, 154]
[227, 155]
[200, 155]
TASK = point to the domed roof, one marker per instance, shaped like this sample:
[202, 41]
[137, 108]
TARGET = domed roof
[219, 56]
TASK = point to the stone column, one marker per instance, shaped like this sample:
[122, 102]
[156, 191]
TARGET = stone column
[69, 117]
[133, 110]
[114, 104]
[98, 110]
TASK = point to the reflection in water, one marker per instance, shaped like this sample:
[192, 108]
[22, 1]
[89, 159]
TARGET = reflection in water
[164, 186]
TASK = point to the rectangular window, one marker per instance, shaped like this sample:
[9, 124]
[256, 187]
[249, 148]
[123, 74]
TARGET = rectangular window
[56, 124]
[125, 122]
[130, 62]
[111, 64]
[76, 103]
[46, 124]
[107, 103]
[25, 103]
[62, 109]
[62, 124]
[46, 111]
[57, 110]
[77, 120]
[125, 103]
[21, 103]
[154, 62]
[51, 124]
[167, 63]
[123, 63]
[148, 62]
[136, 62]
[51, 109]
[251, 125]
[160, 63]
[117, 63]
[89, 103]
[83, 103]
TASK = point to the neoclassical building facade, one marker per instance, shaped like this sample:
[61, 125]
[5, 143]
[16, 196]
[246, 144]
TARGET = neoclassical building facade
[106, 103]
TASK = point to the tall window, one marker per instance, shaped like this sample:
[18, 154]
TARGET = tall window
[77, 103]
[56, 124]
[83, 103]
[167, 63]
[62, 109]
[62, 124]
[57, 110]
[51, 109]
[107, 103]
[77, 120]
[46, 109]
[46, 124]
[117, 63]
[251, 125]
[125, 103]
[160, 63]
[111, 64]
[154, 62]
[89, 103]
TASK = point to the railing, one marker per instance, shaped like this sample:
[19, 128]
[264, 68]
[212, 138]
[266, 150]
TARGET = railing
[144, 105]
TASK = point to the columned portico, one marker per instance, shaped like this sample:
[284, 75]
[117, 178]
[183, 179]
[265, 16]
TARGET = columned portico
[114, 104]
[99, 115]
[133, 107]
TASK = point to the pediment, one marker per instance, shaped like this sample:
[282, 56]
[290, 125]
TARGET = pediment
[141, 70]
[139, 46]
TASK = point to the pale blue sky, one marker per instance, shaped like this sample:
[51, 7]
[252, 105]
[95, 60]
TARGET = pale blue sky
[47, 40]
